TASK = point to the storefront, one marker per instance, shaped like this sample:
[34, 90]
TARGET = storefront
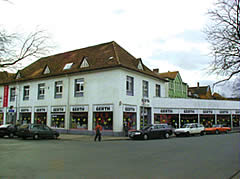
[1, 116]
[40, 115]
[236, 118]
[166, 115]
[145, 118]
[130, 117]
[79, 117]
[224, 117]
[58, 116]
[103, 115]
[188, 116]
[25, 115]
[207, 117]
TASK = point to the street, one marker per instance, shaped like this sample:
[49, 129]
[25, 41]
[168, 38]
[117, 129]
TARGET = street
[211, 156]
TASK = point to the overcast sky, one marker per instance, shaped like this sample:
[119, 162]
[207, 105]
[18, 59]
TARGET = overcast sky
[165, 34]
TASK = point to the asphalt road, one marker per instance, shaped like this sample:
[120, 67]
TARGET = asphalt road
[212, 156]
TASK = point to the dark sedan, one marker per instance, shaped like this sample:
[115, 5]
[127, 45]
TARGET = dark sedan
[152, 132]
[36, 131]
[8, 130]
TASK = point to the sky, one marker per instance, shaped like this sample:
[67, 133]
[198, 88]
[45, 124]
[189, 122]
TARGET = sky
[165, 34]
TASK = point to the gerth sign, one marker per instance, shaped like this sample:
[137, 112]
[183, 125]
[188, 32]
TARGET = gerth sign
[5, 97]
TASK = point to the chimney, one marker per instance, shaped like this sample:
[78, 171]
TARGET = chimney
[197, 84]
[156, 70]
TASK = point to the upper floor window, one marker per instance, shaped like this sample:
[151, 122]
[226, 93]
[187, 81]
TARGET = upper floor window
[158, 90]
[12, 94]
[79, 87]
[41, 90]
[26, 92]
[58, 89]
[129, 86]
[145, 88]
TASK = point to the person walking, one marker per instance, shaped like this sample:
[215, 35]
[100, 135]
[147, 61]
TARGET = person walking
[98, 135]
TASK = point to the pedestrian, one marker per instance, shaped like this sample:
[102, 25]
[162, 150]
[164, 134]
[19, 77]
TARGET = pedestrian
[98, 135]
[125, 128]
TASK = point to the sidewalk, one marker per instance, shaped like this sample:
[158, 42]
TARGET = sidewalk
[89, 137]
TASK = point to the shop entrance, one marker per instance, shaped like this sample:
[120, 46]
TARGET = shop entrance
[145, 118]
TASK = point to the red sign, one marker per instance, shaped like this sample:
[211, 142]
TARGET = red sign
[5, 98]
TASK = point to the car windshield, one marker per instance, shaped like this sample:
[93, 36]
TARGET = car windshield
[216, 125]
[25, 126]
[186, 126]
[147, 127]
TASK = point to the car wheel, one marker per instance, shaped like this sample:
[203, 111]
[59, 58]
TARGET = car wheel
[11, 135]
[55, 136]
[145, 137]
[202, 133]
[166, 135]
[217, 132]
[35, 136]
[187, 134]
[227, 131]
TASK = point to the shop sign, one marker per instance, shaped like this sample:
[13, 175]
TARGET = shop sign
[223, 112]
[188, 111]
[145, 101]
[79, 108]
[25, 110]
[5, 97]
[236, 112]
[206, 111]
[58, 109]
[165, 111]
[127, 108]
[41, 109]
[102, 108]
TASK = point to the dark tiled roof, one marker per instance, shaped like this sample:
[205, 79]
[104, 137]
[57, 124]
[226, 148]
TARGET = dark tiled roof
[5, 77]
[201, 90]
[107, 55]
[170, 75]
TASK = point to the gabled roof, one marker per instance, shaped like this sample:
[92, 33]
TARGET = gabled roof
[170, 75]
[201, 90]
[102, 56]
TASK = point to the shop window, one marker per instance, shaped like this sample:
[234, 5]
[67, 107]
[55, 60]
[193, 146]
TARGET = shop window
[158, 90]
[1, 118]
[145, 89]
[40, 118]
[79, 120]
[41, 90]
[12, 94]
[58, 89]
[58, 120]
[79, 87]
[130, 86]
[129, 119]
[105, 119]
[25, 118]
[26, 92]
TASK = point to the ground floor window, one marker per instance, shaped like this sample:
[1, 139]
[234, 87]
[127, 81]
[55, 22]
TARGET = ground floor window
[188, 118]
[207, 120]
[1, 118]
[236, 120]
[170, 119]
[79, 120]
[130, 120]
[40, 118]
[105, 119]
[58, 120]
[25, 118]
[225, 120]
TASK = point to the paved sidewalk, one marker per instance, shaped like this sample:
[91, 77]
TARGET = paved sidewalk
[89, 137]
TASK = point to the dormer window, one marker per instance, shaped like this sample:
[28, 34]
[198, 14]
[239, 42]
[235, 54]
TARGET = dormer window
[140, 66]
[68, 66]
[46, 70]
[84, 63]
[18, 75]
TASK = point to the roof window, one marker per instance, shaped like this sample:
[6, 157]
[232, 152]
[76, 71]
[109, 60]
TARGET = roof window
[68, 66]
[46, 70]
[140, 66]
[84, 63]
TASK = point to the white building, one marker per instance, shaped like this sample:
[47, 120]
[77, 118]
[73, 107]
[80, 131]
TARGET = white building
[102, 84]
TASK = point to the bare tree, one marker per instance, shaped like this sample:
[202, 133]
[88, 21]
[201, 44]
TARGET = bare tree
[14, 48]
[224, 36]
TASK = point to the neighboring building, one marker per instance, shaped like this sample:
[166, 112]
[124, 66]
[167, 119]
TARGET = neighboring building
[200, 92]
[73, 91]
[176, 87]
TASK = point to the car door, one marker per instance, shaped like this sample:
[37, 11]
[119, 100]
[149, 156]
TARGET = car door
[161, 130]
[154, 132]
[193, 129]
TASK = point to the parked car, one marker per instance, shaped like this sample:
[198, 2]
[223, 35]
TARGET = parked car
[217, 129]
[36, 131]
[8, 130]
[190, 129]
[152, 132]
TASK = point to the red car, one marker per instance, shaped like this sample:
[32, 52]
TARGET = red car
[217, 129]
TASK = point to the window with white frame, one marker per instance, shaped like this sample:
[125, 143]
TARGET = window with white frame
[12, 94]
[79, 87]
[26, 92]
[145, 88]
[58, 89]
[130, 86]
[158, 90]
[41, 90]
